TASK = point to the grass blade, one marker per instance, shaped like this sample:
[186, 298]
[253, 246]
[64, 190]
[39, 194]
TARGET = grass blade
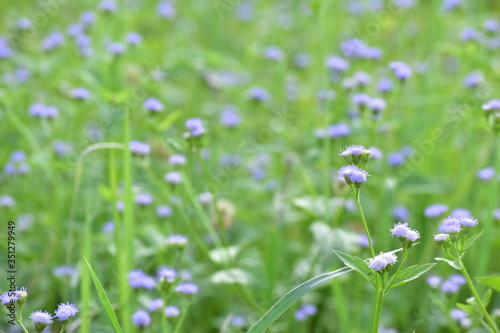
[291, 297]
[105, 300]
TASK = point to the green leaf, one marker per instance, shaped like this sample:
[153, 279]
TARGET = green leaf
[492, 281]
[291, 297]
[359, 265]
[231, 276]
[455, 264]
[168, 120]
[409, 274]
[471, 240]
[487, 297]
[105, 300]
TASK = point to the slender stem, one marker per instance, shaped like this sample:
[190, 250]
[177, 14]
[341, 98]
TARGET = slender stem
[490, 321]
[21, 324]
[391, 280]
[363, 219]
[378, 310]
[63, 328]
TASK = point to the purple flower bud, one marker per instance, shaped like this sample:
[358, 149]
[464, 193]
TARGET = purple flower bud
[152, 104]
[141, 318]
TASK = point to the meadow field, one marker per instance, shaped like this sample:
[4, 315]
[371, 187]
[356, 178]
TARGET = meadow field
[249, 166]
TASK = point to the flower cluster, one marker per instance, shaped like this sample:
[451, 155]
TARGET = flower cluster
[382, 262]
[406, 235]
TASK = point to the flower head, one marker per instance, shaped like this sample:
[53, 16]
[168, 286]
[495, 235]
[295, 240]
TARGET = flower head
[353, 174]
[41, 319]
[195, 126]
[139, 279]
[172, 311]
[441, 237]
[65, 311]
[187, 288]
[435, 210]
[356, 155]
[400, 69]
[382, 262]
[152, 104]
[139, 148]
[155, 304]
[468, 222]
[141, 318]
[450, 225]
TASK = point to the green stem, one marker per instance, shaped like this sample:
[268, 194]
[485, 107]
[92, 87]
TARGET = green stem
[363, 219]
[490, 321]
[63, 328]
[378, 310]
[18, 320]
[391, 280]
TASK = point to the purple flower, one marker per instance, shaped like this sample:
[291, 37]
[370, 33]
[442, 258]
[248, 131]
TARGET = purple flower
[450, 225]
[65, 311]
[400, 230]
[380, 262]
[152, 104]
[64, 271]
[143, 199]
[493, 104]
[486, 174]
[52, 41]
[61, 148]
[400, 69]
[177, 160]
[155, 304]
[473, 80]
[108, 5]
[139, 148]
[458, 279]
[41, 317]
[230, 117]
[6, 201]
[273, 53]
[450, 287]
[5, 50]
[337, 64]
[400, 213]
[195, 126]
[75, 29]
[177, 240]
[441, 237]
[385, 85]
[338, 130]
[80, 93]
[353, 174]
[468, 222]
[451, 4]
[362, 78]
[87, 18]
[376, 104]
[491, 25]
[457, 314]
[435, 210]
[238, 321]
[172, 311]
[141, 318]
[167, 273]
[173, 177]
[395, 159]
[496, 214]
[468, 33]
[133, 38]
[258, 94]
[361, 99]
[354, 150]
[163, 211]
[166, 9]
[434, 281]
[116, 48]
[187, 288]
[138, 279]
[24, 23]
[108, 227]
[460, 212]
[9, 297]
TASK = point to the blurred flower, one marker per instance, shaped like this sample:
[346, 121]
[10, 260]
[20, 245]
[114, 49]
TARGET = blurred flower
[64, 271]
[167, 273]
[41, 319]
[486, 174]
[400, 69]
[6, 201]
[173, 177]
[338, 130]
[385, 85]
[460, 212]
[325, 94]
[493, 104]
[469, 33]
[337, 64]
[115, 48]
[273, 53]
[305, 311]
[205, 198]
[435, 210]
[361, 99]
[87, 18]
[80, 93]
[141, 318]
[172, 311]
[395, 159]
[434, 281]
[238, 321]
[163, 211]
[258, 94]
[195, 126]
[166, 9]
[491, 25]
[108, 5]
[473, 80]
[152, 104]
[108, 227]
[133, 38]
[155, 304]
[24, 23]
[177, 160]
[230, 117]
[302, 60]
[139, 279]
[400, 213]
[5, 50]
[187, 288]
[139, 148]
[177, 240]
[143, 199]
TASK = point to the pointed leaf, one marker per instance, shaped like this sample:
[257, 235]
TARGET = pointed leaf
[471, 240]
[105, 300]
[409, 274]
[358, 265]
[492, 281]
[291, 297]
[487, 297]
[455, 264]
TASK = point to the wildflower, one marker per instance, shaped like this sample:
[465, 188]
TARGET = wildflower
[377, 105]
[375, 153]
[24, 23]
[229, 117]
[496, 214]
[472, 80]
[401, 70]
[457, 314]
[155, 304]
[361, 99]
[143, 199]
[5, 50]
[177, 160]
[108, 5]
[139, 148]
[195, 126]
[486, 173]
[468, 222]
[9, 297]
[80, 93]
[134, 38]
[385, 85]
[352, 174]
[337, 64]
[87, 18]
[141, 318]
[41, 319]
[108, 227]
[172, 311]
[435, 210]
[450, 225]
[434, 281]
[166, 9]
[338, 130]
[116, 48]
[460, 212]
[65, 311]
[152, 104]
[468, 34]
[205, 198]
[6, 201]
[491, 25]
[138, 279]
[176, 240]
[458, 279]
[166, 273]
[173, 177]
[356, 155]
[273, 53]
[187, 288]
[53, 40]
[450, 287]
[238, 321]
[163, 211]
[64, 271]
[258, 94]
[493, 104]
[400, 213]
[395, 159]
[382, 262]
[362, 78]
[441, 237]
